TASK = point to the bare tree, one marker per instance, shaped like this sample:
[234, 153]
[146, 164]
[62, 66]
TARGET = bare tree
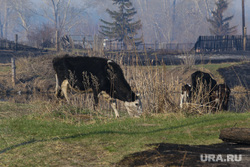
[63, 14]
[57, 15]
[174, 20]
[23, 13]
[5, 15]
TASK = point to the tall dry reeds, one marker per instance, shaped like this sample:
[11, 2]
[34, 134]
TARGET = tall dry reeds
[158, 85]
[157, 89]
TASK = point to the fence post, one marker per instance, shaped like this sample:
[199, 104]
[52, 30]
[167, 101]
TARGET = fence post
[13, 67]
[57, 41]
[95, 47]
[155, 44]
[244, 39]
[16, 42]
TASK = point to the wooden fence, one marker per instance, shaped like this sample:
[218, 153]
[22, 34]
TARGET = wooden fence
[156, 46]
[8, 45]
[221, 43]
[14, 45]
[98, 43]
[13, 70]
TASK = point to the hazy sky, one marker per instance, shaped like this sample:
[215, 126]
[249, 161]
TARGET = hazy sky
[95, 15]
[235, 7]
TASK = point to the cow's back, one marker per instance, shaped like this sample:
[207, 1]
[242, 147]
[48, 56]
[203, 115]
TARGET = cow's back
[200, 77]
[80, 69]
[79, 64]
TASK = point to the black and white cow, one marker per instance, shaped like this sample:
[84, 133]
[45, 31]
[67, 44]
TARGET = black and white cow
[205, 89]
[202, 85]
[99, 75]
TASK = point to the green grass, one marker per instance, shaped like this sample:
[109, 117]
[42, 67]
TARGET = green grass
[211, 67]
[40, 138]
[4, 69]
[214, 67]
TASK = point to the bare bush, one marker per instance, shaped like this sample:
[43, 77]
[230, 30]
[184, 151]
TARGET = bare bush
[42, 36]
[188, 60]
[35, 73]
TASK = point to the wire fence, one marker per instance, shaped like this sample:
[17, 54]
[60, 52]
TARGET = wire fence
[97, 43]
[221, 43]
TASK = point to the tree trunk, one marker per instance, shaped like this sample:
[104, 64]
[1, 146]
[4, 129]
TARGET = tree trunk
[236, 135]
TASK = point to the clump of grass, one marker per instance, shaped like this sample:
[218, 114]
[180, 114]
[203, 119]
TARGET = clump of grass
[240, 99]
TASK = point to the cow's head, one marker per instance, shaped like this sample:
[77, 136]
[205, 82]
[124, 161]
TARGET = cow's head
[185, 94]
[134, 108]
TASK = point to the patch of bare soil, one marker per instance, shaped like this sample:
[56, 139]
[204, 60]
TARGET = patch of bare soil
[165, 154]
[237, 75]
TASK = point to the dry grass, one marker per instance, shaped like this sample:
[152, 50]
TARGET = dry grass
[159, 86]
[240, 101]
[35, 73]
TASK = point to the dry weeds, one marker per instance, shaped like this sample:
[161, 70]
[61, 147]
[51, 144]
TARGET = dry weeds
[159, 85]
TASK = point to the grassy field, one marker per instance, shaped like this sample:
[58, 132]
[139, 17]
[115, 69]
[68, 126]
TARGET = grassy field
[48, 133]
[41, 134]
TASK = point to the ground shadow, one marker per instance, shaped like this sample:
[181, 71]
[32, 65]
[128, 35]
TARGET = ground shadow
[165, 154]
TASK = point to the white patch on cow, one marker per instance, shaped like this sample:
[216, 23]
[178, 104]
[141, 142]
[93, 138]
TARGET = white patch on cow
[134, 108]
[64, 88]
[57, 85]
[113, 105]
[217, 100]
[183, 99]
[110, 61]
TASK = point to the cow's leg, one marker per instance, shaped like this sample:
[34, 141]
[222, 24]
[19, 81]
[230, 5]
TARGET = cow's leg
[96, 99]
[113, 105]
[57, 90]
[182, 100]
[111, 101]
[64, 88]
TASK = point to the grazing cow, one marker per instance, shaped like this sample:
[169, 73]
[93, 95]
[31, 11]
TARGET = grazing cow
[98, 75]
[202, 84]
[205, 90]
[220, 97]
[185, 94]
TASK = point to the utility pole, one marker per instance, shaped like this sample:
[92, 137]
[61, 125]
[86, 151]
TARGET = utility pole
[244, 29]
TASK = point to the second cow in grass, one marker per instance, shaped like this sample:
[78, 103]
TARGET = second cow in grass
[206, 92]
